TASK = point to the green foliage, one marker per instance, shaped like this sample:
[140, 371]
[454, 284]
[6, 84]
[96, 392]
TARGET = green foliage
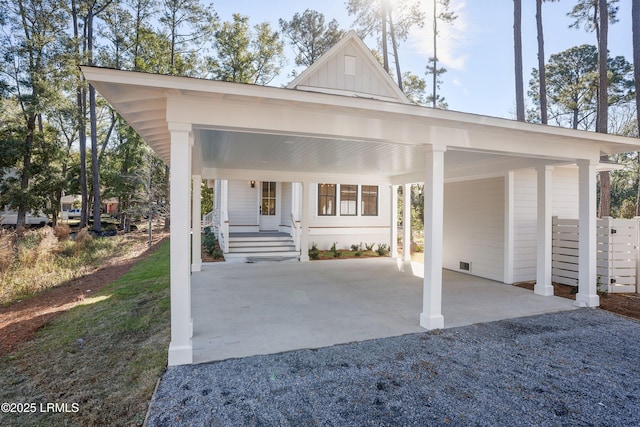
[244, 55]
[369, 246]
[314, 252]
[414, 87]
[336, 253]
[210, 242]
[382, 249]
[572, 82]
[356, 247]
[310, 36]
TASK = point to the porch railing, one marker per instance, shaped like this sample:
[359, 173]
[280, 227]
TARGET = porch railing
[208, 220]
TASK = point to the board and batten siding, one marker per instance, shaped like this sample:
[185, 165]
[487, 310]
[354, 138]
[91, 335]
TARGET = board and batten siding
[474, 226]
[564, 202]
[331, 75]
[349, 230]
[243, 206]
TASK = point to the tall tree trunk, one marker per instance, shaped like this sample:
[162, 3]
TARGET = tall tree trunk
[394, 44]
[95, 167]
[435, 54]
[26, 169]
[517, 46]
[541, 68]
[385, 51]
[635, 25]
[602, 119]
[81, 105]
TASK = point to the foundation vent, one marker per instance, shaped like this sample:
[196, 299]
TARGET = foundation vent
[465, 265]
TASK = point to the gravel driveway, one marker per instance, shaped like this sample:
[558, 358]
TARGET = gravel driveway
[572, 368]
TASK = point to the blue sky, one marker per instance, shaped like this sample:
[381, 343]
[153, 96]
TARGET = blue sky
[477, 49]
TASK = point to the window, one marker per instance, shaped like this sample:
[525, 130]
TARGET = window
[326, 199]
[348, 200]
[268, 207]
[370, 200]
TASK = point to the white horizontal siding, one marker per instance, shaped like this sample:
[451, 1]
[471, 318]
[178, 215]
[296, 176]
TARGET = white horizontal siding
[243, 204]
[474, 226]
[564, 204]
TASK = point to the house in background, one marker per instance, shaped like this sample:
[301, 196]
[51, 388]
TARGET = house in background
[322, 159]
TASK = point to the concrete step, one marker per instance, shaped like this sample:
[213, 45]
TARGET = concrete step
[287, 254]
[262, 249]
[258, 238]
[259, 243]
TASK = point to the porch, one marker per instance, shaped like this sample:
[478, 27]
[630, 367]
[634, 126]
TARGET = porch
[247, 309]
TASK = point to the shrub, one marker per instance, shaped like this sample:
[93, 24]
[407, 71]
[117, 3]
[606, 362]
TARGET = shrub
[355, 248]
[336, 253]
[369, 246]
[358, 253]
[383, 249]
[209, 242]
[314, 253]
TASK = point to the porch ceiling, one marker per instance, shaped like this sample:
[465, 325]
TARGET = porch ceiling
[223, 151]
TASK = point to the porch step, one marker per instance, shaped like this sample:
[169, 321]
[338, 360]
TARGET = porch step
[261, 245]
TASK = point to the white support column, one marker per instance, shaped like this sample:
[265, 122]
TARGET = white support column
[196, 224]
[431, 316]
[587, 282]
[180, 348]
[509, 225]
[304, 238]
[543, 284]
[406, 223]
[394, 222]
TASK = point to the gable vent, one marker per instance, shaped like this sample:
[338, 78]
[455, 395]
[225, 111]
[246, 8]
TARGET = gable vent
[350, 65]
[465, 266]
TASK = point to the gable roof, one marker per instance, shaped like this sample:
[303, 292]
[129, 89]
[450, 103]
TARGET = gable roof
[349, 68]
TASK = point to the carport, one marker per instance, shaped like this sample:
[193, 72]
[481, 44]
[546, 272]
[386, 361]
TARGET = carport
[219, 130]
[249, 309]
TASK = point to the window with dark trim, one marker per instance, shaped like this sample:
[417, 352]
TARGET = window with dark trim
[348, 200]
[326, 199]
[369, 200]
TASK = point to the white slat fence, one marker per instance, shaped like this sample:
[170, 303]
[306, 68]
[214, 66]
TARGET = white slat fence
[617, 257]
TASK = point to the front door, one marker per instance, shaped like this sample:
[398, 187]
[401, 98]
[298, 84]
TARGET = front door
[268, 207]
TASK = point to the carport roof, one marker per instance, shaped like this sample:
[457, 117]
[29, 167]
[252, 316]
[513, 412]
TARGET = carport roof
[269, 132]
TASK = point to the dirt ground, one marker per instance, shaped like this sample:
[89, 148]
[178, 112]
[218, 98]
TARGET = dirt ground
[20, 321]
[624, 304]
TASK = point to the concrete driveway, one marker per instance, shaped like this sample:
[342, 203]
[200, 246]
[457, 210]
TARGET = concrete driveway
[241, 310]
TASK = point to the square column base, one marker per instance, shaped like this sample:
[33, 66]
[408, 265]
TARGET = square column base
[583, 300]
[431, 322]
[180, 355]
[196, 266]
[544, 290]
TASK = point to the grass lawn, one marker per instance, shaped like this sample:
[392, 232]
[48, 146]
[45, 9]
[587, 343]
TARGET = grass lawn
[102, 358]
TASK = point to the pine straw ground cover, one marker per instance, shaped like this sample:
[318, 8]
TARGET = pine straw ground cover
[100, 361]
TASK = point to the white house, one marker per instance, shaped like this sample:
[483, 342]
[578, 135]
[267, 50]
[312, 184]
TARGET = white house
[321, 160]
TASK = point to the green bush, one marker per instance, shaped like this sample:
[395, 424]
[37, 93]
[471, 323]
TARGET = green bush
[355, 248]
[369, 246]
[336, 253]
[209, 242]
[383, 249]
[314, 253]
